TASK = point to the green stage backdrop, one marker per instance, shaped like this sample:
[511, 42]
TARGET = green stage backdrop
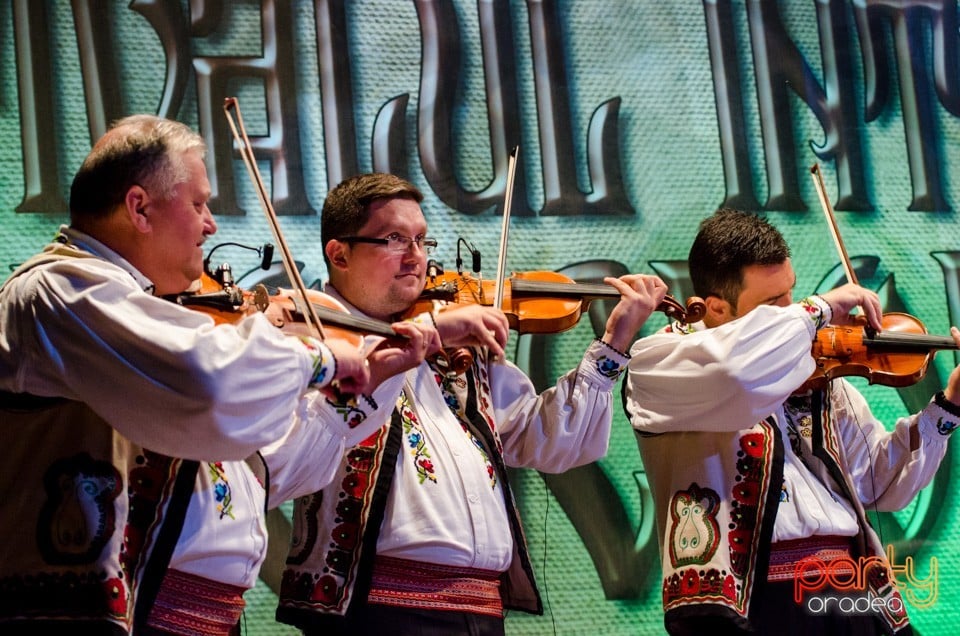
[635, 119]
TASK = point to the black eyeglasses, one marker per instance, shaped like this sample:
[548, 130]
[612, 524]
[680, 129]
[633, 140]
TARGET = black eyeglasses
[395, 242]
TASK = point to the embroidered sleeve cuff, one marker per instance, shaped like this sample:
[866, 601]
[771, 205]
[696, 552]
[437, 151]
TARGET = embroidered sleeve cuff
[947, 416]
[324, 362]
[609, 362]
[353, 409]
[818, 309]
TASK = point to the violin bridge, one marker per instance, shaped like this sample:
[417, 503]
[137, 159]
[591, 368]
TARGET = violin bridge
[261, 299]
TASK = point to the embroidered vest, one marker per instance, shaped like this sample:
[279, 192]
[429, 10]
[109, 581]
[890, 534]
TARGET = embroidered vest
[83, 513]
[716, 510]
[330, 564]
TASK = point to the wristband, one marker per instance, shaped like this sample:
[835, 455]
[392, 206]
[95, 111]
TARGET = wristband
[611, 348]
[941, 400]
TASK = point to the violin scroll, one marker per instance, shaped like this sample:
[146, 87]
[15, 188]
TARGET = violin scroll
[693, 311]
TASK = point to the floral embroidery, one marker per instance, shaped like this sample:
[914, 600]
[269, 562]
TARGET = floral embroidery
[221, 490]
[884, 586]
[815, 310]
[349, 410]
[415, 440]
[324, 363]
[681, 328]
[608, 367]
[451, 388]
[697, 583]
[744, 508]
[711, 583]
[945, 427]
[491, 473]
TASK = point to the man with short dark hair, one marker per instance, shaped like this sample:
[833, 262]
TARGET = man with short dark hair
[751, 476]
[418, 533]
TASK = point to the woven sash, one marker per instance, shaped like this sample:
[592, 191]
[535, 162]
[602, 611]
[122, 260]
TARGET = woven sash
[784, 555]
[191, 605]
[404, 583]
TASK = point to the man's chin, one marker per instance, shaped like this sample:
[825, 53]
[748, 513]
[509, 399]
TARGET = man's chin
[409, 286]
[403, 300]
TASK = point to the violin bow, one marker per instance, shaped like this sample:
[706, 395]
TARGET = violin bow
[249, 160]
[832, 223]
[505, 229]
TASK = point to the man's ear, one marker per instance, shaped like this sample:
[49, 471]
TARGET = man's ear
[336, 252]
[135, 203]
[719, 311]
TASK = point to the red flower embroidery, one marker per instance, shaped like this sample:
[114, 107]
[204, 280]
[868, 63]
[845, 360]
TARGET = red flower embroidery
[132, 540]
[739, 540]
[360, 459]
[690, 583]
[752, 444]
[354, 484]
[325, 591]
[730, 587]
[116, 597]
[346, 535]
[747, 492]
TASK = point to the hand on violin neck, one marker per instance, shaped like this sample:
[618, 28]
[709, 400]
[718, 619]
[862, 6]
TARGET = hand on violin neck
[474, 326]
[846, 298]
[640, 295]
[392, 357]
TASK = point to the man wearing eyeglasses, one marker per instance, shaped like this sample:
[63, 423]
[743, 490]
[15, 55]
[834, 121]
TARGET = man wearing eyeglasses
[418, 532]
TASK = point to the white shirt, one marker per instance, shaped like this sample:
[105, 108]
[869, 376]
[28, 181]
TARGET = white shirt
[161, 375]
[458, 517]
[452, 514]
[808, 507]
[170, 380]
[728, 378]
[224, 533]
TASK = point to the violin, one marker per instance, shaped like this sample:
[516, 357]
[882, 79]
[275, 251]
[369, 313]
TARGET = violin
[216, 295]
[227, 304]
[220, 298]
[541, 302]
[897, 356]
[536, 302]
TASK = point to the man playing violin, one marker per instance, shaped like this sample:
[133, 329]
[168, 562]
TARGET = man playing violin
[418, 533]
[758, 487]
[112, 397]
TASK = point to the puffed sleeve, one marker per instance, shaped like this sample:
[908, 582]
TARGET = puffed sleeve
[306, 458]
[886, 471]
[163, 376]
[567, 425]
[722, 379]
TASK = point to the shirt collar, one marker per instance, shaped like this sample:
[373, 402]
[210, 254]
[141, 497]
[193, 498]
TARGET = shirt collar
[72, 236]
[331, 291]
